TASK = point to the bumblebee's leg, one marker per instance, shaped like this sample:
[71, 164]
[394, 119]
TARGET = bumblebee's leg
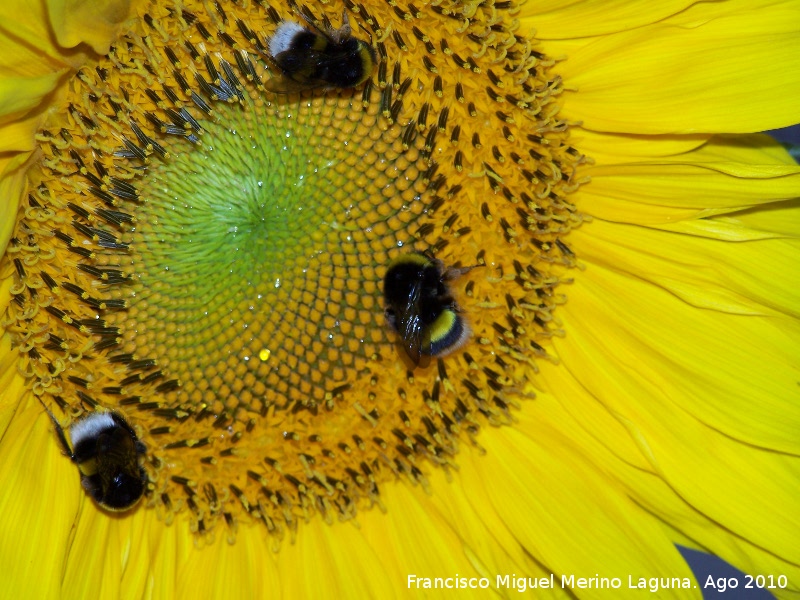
[428, 253]
[345, 30]
[61, 437]
[455, 272]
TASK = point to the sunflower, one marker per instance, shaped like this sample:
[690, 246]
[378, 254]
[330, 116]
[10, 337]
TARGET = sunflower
[203, 256]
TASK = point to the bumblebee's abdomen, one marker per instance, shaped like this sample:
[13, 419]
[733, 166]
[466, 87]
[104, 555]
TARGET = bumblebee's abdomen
[121, 491]
[448, 331]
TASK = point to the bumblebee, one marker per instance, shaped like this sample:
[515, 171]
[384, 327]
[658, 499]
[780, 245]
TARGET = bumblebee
[312, 57]
[420, 307]
[106, 451]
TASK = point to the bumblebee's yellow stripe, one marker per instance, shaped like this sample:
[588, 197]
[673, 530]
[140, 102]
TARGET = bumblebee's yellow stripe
[88, 467]
[412, 258]
[447, 332]
[443, 326]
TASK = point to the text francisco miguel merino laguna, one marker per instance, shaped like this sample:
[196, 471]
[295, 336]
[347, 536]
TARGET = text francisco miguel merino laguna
[521, 584]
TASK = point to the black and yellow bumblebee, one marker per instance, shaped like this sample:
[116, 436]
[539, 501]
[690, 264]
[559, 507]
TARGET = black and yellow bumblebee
[420, 307]
[106, 450]
[312, 57]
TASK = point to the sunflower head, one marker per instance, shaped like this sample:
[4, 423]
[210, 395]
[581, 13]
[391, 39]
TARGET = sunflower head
[203, 247]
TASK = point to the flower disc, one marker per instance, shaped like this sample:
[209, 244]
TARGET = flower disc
[206, 256]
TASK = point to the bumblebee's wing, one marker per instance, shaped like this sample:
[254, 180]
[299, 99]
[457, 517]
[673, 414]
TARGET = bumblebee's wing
[282, 84]
[300, 79]
[410, 326]
[120, 452]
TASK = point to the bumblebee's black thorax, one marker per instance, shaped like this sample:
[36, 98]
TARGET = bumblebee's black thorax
[306, 41]
[346, 67]
[401, 280]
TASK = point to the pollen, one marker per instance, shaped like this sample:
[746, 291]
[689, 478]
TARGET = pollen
[205, 256]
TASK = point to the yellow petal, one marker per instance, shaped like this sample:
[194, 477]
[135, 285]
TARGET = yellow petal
[27, 80]
[27, 40]
[169, 547]
[95, 23]
[780, 220]
[31, 510]
[731, 364]
[562, 508]
[30, 44]
[683, 522]
[142, 557]
[689, 384]
[609, 148]
[86, 574]
[12, 185]
[554, 20]
[709, 69]
[465, 507]
[12, 383]
[720, 176]
[755, 149]
[20, 94]
[217, 569]
[333, 562]
[421, 543]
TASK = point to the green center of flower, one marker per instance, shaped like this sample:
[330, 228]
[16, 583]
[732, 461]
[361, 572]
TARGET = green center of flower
[247, 247]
